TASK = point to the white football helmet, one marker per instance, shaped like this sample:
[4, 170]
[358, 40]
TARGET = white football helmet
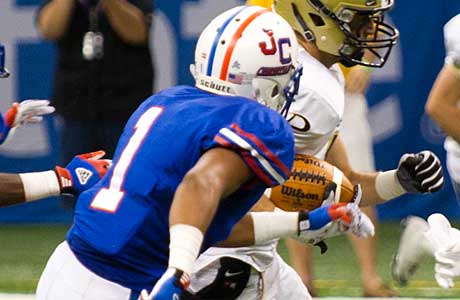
[248, 51]
[3, 71]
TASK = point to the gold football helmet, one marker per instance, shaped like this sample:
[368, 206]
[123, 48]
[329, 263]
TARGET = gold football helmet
[344, 28]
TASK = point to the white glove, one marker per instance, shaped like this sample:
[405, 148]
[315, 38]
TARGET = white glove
[445, 241]
[352, 220]
[360, 225]
[312, 237]
[28, 111]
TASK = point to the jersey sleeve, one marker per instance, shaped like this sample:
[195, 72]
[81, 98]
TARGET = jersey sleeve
[452, 41]
[268, 153]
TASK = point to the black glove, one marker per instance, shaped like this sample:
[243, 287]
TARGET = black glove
[420, 172]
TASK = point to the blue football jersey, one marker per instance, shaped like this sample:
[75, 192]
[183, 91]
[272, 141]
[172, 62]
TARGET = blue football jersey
[121, 226]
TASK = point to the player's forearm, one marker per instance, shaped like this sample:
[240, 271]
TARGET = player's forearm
[261, 227]
[448, 118]
[338, 156]
[54, 18]
[195, 203]
[368, 186]
[25, 187]
[442, 104]
[11, 189]
[377, 187]
[127, 20]
[194, 206]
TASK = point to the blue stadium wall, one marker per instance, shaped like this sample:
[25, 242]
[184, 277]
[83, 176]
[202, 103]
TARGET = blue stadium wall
[396, 98]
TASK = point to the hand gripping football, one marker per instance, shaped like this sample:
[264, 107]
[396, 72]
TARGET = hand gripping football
[308, 183]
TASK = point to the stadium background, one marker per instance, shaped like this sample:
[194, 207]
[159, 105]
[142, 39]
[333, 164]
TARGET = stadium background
[396, 98]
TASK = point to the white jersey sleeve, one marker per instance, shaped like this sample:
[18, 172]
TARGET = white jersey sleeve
[317, 111]
[452, 41]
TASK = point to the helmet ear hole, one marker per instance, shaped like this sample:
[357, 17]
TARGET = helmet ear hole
[317, 20]
[275, 91]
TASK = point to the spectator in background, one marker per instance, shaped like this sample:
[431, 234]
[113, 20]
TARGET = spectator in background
[104, 67]
[357, 139]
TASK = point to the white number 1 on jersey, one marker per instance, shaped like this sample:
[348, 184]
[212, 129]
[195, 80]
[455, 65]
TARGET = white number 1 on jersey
[108, 199]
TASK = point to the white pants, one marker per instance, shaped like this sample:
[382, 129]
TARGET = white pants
[277, 281]
[65, 278]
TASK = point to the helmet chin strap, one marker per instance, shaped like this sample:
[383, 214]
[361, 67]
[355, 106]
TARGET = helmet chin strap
[351, 60]
[291, 90]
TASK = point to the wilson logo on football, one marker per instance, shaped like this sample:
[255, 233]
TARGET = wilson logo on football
[307, 187]
[298, 193]
[83, 175]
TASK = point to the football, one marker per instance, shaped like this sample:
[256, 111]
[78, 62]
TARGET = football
[306, 186]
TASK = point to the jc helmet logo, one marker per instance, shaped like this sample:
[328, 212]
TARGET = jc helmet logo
[275, 45]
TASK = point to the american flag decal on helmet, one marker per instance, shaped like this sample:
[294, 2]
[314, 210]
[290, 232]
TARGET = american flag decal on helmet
[235, 78]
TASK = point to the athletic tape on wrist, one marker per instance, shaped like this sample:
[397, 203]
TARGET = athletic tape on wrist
[39, 185]
[388, 186]
[184, 246]
[273, 225]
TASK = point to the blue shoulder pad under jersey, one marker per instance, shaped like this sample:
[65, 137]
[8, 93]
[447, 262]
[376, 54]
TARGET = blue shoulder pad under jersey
[121, 225]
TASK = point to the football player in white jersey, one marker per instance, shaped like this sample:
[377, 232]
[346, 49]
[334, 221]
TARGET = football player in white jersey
[436, 237]
[329, 31]
[25, 187]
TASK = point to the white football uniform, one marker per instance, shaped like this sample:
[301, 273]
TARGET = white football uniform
[452, 43]
[315, 116]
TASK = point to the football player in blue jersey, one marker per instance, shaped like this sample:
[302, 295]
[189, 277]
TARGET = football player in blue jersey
[189, 165]
[82, 172]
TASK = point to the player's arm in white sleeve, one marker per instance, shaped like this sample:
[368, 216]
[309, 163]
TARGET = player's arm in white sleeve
[26, 187]
[416, 173]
